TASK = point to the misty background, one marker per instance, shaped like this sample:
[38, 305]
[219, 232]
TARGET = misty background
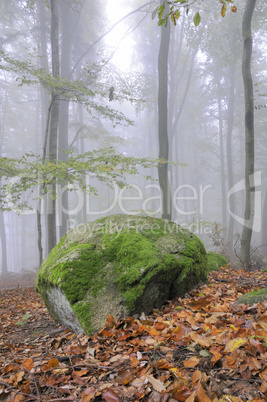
[113, 48]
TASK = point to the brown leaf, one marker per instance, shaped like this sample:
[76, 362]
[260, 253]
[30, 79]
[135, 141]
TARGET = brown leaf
[110, 396]
[88, 394]
[192, 362]
[28, 364]
[198, 338]
[156, 384]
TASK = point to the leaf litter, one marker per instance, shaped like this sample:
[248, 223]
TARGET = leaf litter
[199, 348]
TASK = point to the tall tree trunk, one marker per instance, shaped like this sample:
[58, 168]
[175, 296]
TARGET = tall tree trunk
[66, 23]
[164, 181]
[3, 242]
[223, 189]
[264, 226]
[54, 119]
[45, 111]
[249, 134]
[229, 147]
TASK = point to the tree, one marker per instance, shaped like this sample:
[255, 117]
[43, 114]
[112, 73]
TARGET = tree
[53, 122]
[163, 79]
[249, 134]
[171, 10]
[31, 171]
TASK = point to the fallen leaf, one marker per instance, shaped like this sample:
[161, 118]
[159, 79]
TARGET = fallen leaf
[198, 338]
[156, 384]
[192, 362]
[110, 396]
[235, 344]
[88, 394]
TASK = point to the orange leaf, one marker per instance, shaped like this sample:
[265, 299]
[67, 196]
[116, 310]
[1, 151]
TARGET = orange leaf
[28, 364]
[234, 9]
[53, 363]
[223, 10]
[198, 338]
[110, 320]
[216, 354]
[152, 331]
[88, 394]
[106, 333]
[201, 396]
[197, 375]
[192, 362]
[80, 373]
[263, 375]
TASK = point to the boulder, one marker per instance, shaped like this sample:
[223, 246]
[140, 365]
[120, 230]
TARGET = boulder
[216, 261]
[253, 297]
[119, 265]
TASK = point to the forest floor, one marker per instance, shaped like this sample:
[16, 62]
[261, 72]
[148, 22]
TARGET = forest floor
[200, 348]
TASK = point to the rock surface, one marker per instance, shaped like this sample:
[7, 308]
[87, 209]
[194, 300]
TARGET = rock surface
[119, 265]
[216, 261]
[251, 298]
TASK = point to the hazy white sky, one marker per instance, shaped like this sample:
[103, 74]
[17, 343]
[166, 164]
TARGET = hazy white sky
[115, 10]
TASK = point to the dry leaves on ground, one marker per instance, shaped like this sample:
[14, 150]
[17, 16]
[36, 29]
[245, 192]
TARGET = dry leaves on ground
[200, 348]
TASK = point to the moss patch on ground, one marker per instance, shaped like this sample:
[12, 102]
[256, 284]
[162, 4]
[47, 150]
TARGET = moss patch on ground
[121, 265]
[251, 298]
[216, 261]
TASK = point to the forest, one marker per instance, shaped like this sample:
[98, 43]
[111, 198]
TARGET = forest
[133, 110]
[93, 96]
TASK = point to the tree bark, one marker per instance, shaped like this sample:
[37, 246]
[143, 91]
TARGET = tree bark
[163, 137]
[220, 120]
[54, 121]
[229, 146]
[3, 243]
[66, 23]
[249, 135]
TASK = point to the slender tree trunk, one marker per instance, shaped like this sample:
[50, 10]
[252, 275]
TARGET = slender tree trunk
[3, 242]
[220, 120]
[229, 147]
[66, 23]
[45, 111]
[164, 181]
[54, 121]
[264, 226]
[249, 134]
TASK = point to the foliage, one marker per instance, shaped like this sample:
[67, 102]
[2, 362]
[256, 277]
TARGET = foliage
[174, 10]
[179, 352]
[31, 171]
[217, 236]
[92, 91]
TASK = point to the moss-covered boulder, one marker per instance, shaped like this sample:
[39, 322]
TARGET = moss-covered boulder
[251, 298]
[216, 261]
[119, 265]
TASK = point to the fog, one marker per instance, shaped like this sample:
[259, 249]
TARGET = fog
[91, 75]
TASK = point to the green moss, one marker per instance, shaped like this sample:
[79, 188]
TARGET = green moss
[82, 310]
[253, 297]
[216, 261]
[130, 264]
[77, 276]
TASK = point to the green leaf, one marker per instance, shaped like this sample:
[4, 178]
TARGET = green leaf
[204, 353]
[177, 14]
[161, 22]
[197, 19]
[161, 10]
[154, 13]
